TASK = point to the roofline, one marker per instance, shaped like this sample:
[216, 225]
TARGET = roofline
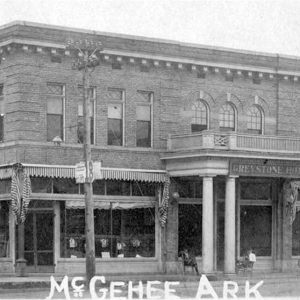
[148, 39]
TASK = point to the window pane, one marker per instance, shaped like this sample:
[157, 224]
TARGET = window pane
[198, 127]
[254, 117]
[143, 113]
[4, 230]
[2, 111]
[143, 189]
[80, 130]
[54, 105]
[190, 228]
[125, 233]
[54, 126]
[143, 134]
[115, 94]
[41, 185]
[72, 232]
[80, 108]
[256, 230]
[189, 187]
[296, 234]
[199, 113]
[1, 128]
[115, 135]
[115, 111]
[65, 186]
[256, 190]
[118, 187]
[227, 117]
[55, 89]
[5, 185]
[144, 97]
[99, 187]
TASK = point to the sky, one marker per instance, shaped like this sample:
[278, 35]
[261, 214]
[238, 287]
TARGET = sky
[271, 26]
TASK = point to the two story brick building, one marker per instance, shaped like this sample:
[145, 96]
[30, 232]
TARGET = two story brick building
[222, 124]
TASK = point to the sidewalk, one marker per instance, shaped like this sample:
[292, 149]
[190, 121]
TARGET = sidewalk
[11, 281]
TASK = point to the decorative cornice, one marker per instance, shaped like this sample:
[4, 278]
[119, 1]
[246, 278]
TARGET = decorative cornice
[156, 60]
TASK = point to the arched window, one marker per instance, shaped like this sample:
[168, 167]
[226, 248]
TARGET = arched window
[200, 116]
[255, 119]
[227, 117]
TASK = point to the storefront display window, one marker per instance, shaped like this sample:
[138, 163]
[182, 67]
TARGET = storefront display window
[4, 229]
[190, 228]
[296, 234]
[121, 230]
[256, 230]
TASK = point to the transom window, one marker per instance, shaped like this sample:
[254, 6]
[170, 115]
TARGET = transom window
[55, 110]
[200, 116]
[115, 109]
[227, 117]
[255, 119]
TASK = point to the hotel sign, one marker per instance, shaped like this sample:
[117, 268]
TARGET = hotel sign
[266, 168]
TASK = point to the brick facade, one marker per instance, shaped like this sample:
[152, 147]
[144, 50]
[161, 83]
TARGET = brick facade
[177, 75]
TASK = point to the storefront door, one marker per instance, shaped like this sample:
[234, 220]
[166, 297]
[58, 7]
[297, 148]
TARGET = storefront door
[39, 241]
[220, 236]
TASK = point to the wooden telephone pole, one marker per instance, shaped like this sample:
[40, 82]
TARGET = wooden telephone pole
[87, 59]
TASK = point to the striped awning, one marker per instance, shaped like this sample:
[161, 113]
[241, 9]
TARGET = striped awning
[61, 171]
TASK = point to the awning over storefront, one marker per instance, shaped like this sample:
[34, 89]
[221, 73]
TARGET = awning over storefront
[107, 205]
[61, 171]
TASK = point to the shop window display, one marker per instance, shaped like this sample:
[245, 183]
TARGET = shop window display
[119, 232]
[4, 229]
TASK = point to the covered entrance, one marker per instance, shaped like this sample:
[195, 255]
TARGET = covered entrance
[39, 241]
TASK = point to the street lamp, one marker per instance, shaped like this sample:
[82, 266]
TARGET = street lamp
[87, 58]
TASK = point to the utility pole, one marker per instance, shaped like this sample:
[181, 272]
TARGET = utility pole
[87, 60]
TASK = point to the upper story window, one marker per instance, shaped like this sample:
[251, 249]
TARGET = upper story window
[200, 116]
[115, 114]
[55, 110]
[255, 119]
[1, 113]
[144, 119]
[227, 117]
[92, 103]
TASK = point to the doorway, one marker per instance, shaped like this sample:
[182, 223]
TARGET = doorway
[39, 241]
[220, 235]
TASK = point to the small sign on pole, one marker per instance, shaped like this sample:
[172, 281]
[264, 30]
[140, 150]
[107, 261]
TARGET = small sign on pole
[97, 170]
[80, 172]
[94, 171]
